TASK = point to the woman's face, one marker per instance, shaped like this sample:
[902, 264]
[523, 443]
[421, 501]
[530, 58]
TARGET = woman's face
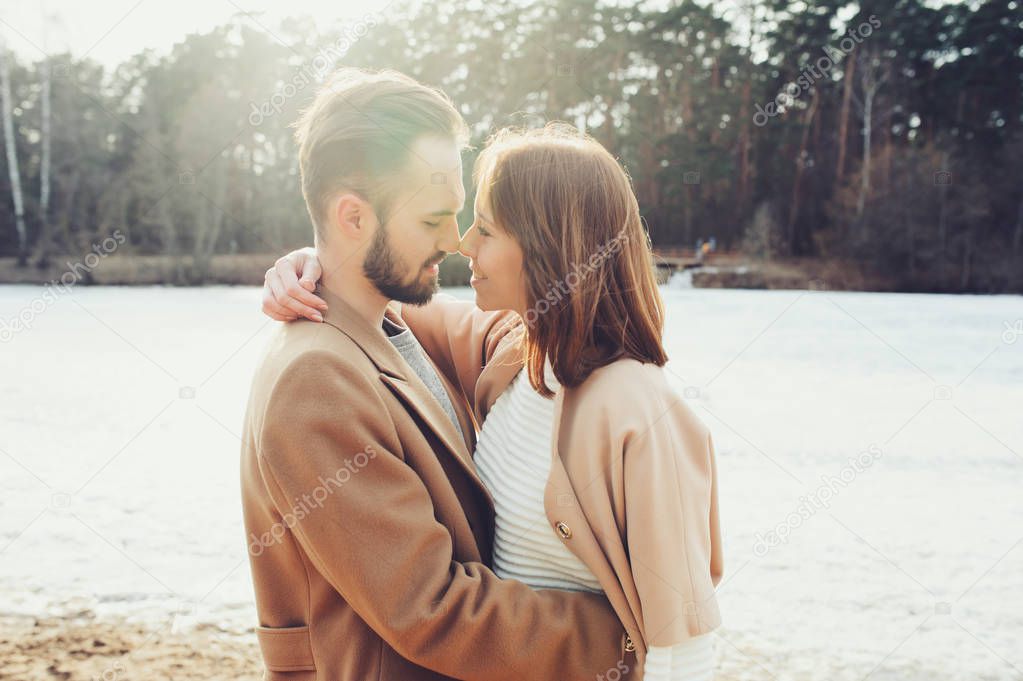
[496, 262]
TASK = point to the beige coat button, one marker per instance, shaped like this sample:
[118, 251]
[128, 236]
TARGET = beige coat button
[564, 530]
[629, 645]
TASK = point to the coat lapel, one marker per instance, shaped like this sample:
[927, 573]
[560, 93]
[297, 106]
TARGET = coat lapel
[418, 398]
[399, 377]
[465, 418]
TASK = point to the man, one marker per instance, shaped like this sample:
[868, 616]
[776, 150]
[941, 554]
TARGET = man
[369, 531]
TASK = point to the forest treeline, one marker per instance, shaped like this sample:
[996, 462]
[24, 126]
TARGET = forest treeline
[889, 134]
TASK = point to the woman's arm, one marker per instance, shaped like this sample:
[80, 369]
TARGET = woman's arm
[459, 337]
[671, 510]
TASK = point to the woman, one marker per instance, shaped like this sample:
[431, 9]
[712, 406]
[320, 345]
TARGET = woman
[588, 440]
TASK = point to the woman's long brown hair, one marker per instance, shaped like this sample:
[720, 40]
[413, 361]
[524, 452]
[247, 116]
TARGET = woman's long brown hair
[590, 286]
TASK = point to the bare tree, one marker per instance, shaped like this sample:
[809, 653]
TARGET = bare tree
[45, 238]
[843, 120]
[44, 165]
[802, 159]
[747, 14]
[1017, 237]
[873, 74]
[12, 155]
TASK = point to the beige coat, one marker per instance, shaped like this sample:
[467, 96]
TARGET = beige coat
[369, 532]
[633, 485]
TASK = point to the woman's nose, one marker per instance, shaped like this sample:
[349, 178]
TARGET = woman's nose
[468, 245]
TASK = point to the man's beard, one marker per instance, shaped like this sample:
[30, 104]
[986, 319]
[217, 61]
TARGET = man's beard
[386, 273]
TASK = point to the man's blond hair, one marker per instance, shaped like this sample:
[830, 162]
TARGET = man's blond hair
[358, 133]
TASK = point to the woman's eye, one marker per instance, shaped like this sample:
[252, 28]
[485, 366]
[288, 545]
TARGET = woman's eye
[431, 224]
[483, 232]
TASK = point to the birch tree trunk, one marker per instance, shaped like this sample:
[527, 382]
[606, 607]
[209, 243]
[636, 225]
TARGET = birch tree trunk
[868, 113]
[808, 119]
[12, 156]
[873, 75]
[1017, 238]
[843, 121]
[46, 230]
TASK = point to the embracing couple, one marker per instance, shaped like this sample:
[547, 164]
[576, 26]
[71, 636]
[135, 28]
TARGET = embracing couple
[505, 491]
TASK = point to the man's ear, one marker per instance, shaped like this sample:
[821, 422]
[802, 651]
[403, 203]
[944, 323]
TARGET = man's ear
[352, 215]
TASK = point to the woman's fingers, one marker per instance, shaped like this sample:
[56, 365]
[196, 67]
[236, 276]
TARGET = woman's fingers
[309, 267]
[282, 302]
[277, 313]
[288, 270]
[272, 309]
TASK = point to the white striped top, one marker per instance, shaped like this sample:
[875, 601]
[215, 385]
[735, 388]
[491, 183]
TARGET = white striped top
[513, 458]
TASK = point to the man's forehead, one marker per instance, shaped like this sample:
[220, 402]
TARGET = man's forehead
[441, 197]
[434, 175]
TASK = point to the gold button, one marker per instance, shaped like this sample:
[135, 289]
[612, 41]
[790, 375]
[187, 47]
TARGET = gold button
[629, 645]
[564, 530]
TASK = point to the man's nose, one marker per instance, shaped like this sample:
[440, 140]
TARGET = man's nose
[449, 241]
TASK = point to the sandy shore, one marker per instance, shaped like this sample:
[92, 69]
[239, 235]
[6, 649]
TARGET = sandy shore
[86, 648]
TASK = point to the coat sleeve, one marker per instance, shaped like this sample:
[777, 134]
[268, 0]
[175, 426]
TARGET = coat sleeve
[671, 510]
[459, 337]
[375, 539]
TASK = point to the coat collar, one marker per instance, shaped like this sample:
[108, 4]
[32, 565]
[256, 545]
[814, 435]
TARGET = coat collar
[373, 342]
[396, 373]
